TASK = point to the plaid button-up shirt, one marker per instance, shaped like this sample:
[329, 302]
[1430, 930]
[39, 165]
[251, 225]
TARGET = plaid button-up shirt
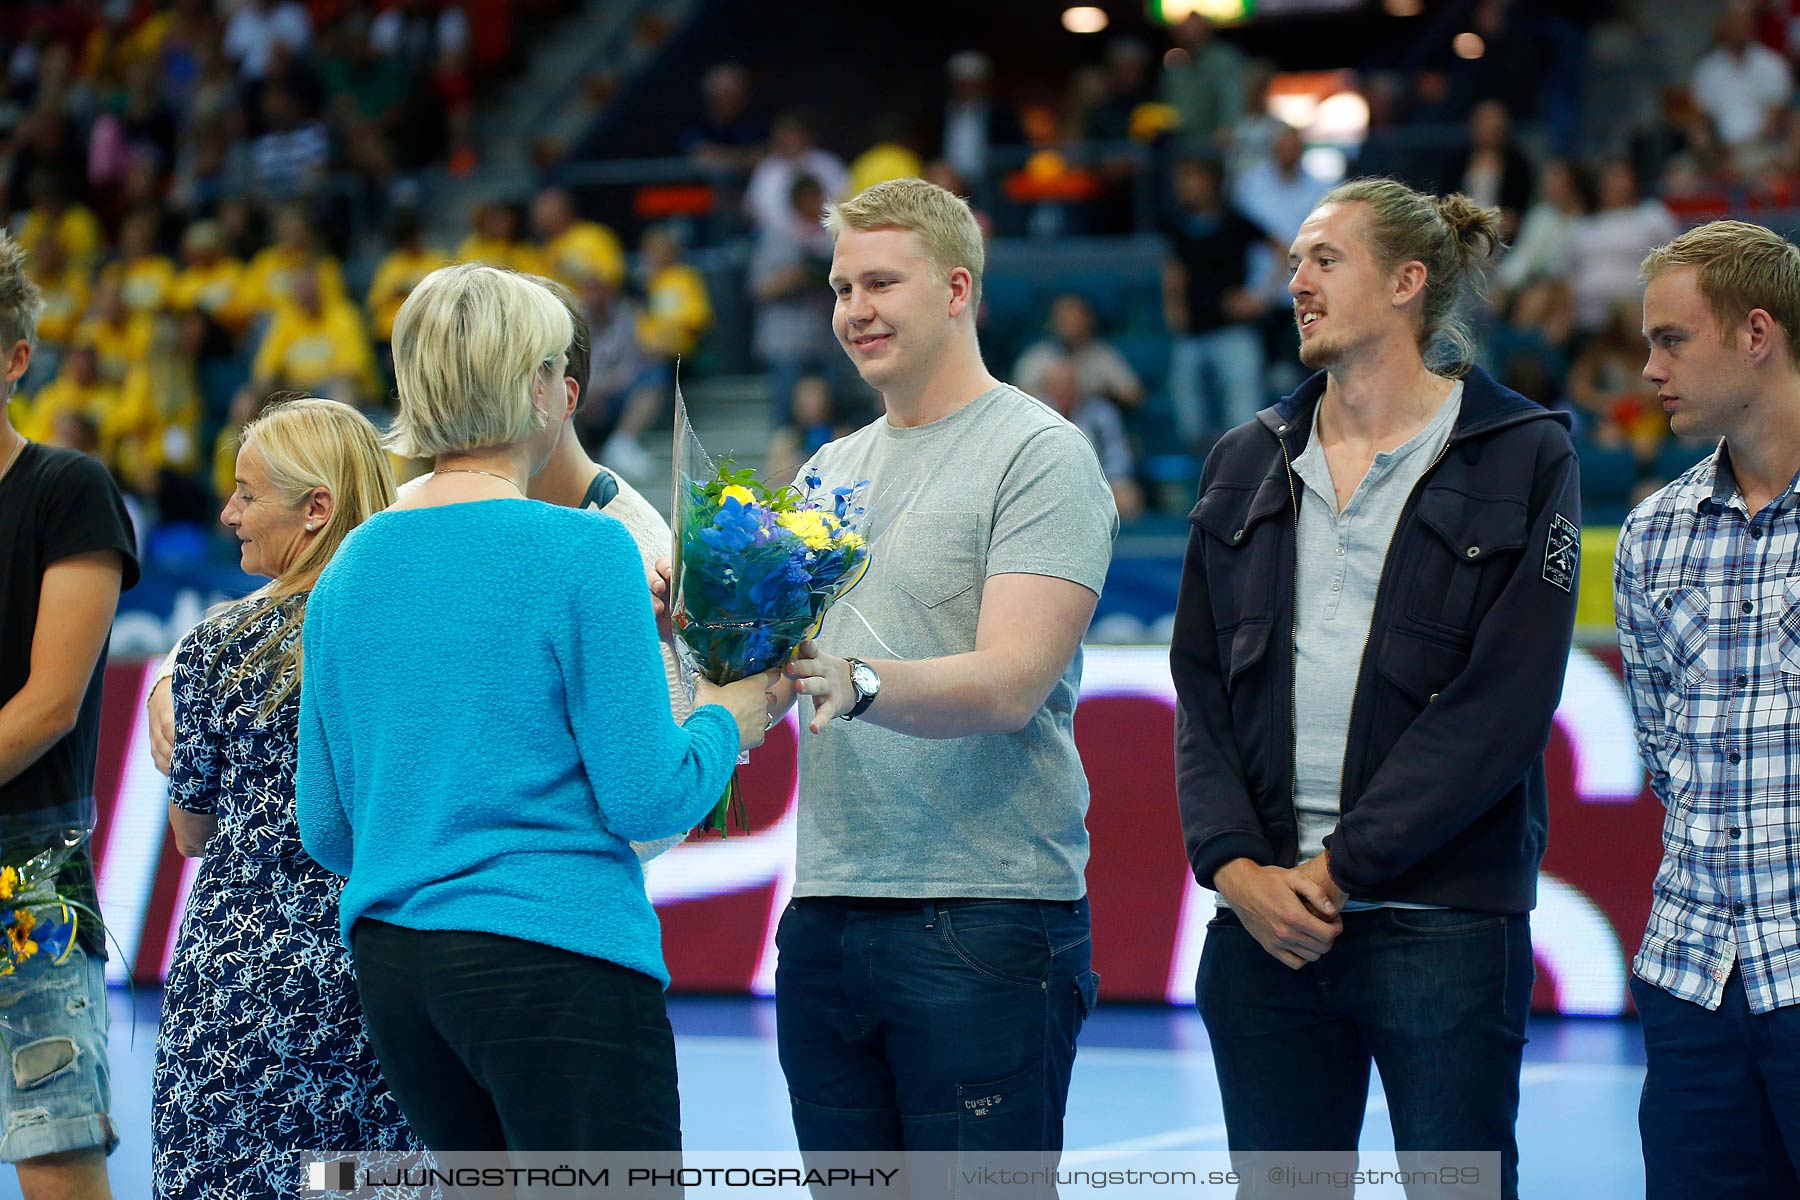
[1707, 597]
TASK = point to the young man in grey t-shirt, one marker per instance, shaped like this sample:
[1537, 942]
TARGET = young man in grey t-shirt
[934, 966]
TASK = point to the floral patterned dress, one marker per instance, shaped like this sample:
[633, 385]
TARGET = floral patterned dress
[263, 1050]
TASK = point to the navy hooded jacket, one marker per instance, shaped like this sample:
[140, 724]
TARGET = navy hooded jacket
[1444, 799]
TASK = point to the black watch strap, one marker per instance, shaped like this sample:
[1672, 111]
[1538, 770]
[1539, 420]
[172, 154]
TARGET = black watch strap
[863, 699]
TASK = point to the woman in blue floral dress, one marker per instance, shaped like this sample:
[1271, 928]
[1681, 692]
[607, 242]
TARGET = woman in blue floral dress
[263, 1049]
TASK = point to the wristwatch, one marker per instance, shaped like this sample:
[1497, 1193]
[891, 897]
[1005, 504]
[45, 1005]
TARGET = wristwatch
[867, 684]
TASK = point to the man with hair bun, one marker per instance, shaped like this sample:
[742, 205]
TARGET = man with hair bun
[1707, 591]
[66, 551]
[1375, 617]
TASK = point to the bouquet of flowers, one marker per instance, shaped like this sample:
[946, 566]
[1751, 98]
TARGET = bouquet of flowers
[754, 568]
[36, 918]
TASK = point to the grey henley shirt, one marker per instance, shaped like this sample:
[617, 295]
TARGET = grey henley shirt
[1340, 561]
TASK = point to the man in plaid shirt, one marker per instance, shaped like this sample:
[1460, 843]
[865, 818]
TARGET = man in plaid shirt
[1707, 590]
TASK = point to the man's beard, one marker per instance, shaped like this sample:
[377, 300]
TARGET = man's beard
[1317, 355]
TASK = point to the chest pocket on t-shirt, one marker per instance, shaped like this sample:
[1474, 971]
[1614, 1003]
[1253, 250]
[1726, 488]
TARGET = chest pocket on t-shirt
[936, 557]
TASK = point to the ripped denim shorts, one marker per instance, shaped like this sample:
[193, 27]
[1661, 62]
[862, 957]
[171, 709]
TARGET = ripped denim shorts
[55, 1087]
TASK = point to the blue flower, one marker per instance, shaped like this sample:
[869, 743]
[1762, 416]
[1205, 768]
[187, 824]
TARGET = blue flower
[734, 529]
[777, 594]
[754, 584]
[767, 530]
[759, 650]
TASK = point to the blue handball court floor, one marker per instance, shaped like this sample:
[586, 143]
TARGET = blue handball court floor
[1143, 1081]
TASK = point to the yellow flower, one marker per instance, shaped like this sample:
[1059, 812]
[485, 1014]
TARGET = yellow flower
[9, 882]
[742, 495]
[18, 934]
[850, 541]
[809, 527]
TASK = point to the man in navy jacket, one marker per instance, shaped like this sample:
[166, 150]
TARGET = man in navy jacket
[1375, 618]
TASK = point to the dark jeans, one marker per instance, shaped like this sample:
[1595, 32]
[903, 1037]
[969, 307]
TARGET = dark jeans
[493, 1043]
[931, 1025]
[1436, 999]
[1720, 1114]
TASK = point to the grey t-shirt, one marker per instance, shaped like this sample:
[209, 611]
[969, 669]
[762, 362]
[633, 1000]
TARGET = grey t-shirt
[1003, 485]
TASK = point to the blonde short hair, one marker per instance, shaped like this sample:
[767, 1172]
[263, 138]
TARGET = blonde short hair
[1742, 267]
[20, 300]
[468, 345]
[943, 221]
[309, 443]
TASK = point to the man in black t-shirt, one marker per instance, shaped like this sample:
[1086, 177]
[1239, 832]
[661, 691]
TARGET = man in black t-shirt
[1211, 306]
[66, 551]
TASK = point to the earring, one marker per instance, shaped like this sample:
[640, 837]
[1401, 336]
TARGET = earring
[309, 527]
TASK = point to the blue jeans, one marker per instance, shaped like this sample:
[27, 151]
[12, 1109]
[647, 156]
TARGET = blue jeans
[55, 1095]
[1215, 381]
[931, 1024]
[1720, 1114]
[1435, 998]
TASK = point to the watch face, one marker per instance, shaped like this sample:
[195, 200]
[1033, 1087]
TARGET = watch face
[865, 679]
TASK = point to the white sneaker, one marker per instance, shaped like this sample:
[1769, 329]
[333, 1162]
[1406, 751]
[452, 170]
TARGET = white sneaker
[624, 455]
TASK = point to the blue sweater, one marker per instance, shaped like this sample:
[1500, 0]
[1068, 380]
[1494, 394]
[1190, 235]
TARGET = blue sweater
[484, 727]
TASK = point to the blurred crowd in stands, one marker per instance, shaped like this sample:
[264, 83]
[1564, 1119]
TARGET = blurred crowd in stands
[182, 175]
[228, 199]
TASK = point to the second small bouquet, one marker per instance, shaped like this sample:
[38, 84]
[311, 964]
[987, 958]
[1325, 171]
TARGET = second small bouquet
[755, 568]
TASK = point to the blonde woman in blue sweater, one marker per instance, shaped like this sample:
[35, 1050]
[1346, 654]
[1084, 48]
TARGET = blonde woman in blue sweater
[484, 729]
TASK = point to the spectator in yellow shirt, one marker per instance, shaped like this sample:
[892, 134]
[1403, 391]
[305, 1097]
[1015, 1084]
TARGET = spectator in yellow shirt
[411, 259]
[155, 426]
[574, 250]
[78, 390]
[317, 346]
[270, 279]
[889, 158]
[495, 241]
[120, 337]
[145, 278]
[208, 280]
[52, 217]
[246, 405]
[145, 43]
[65, 289]
[677, 311]
[74, 431]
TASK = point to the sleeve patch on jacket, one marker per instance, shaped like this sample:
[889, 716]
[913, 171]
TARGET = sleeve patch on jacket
[1562, 553]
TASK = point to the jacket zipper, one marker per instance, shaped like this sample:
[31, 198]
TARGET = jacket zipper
[1293, 661]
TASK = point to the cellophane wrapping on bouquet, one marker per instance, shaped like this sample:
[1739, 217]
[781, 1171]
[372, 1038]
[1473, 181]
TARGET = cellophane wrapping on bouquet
[755, 567]
[39, 920]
